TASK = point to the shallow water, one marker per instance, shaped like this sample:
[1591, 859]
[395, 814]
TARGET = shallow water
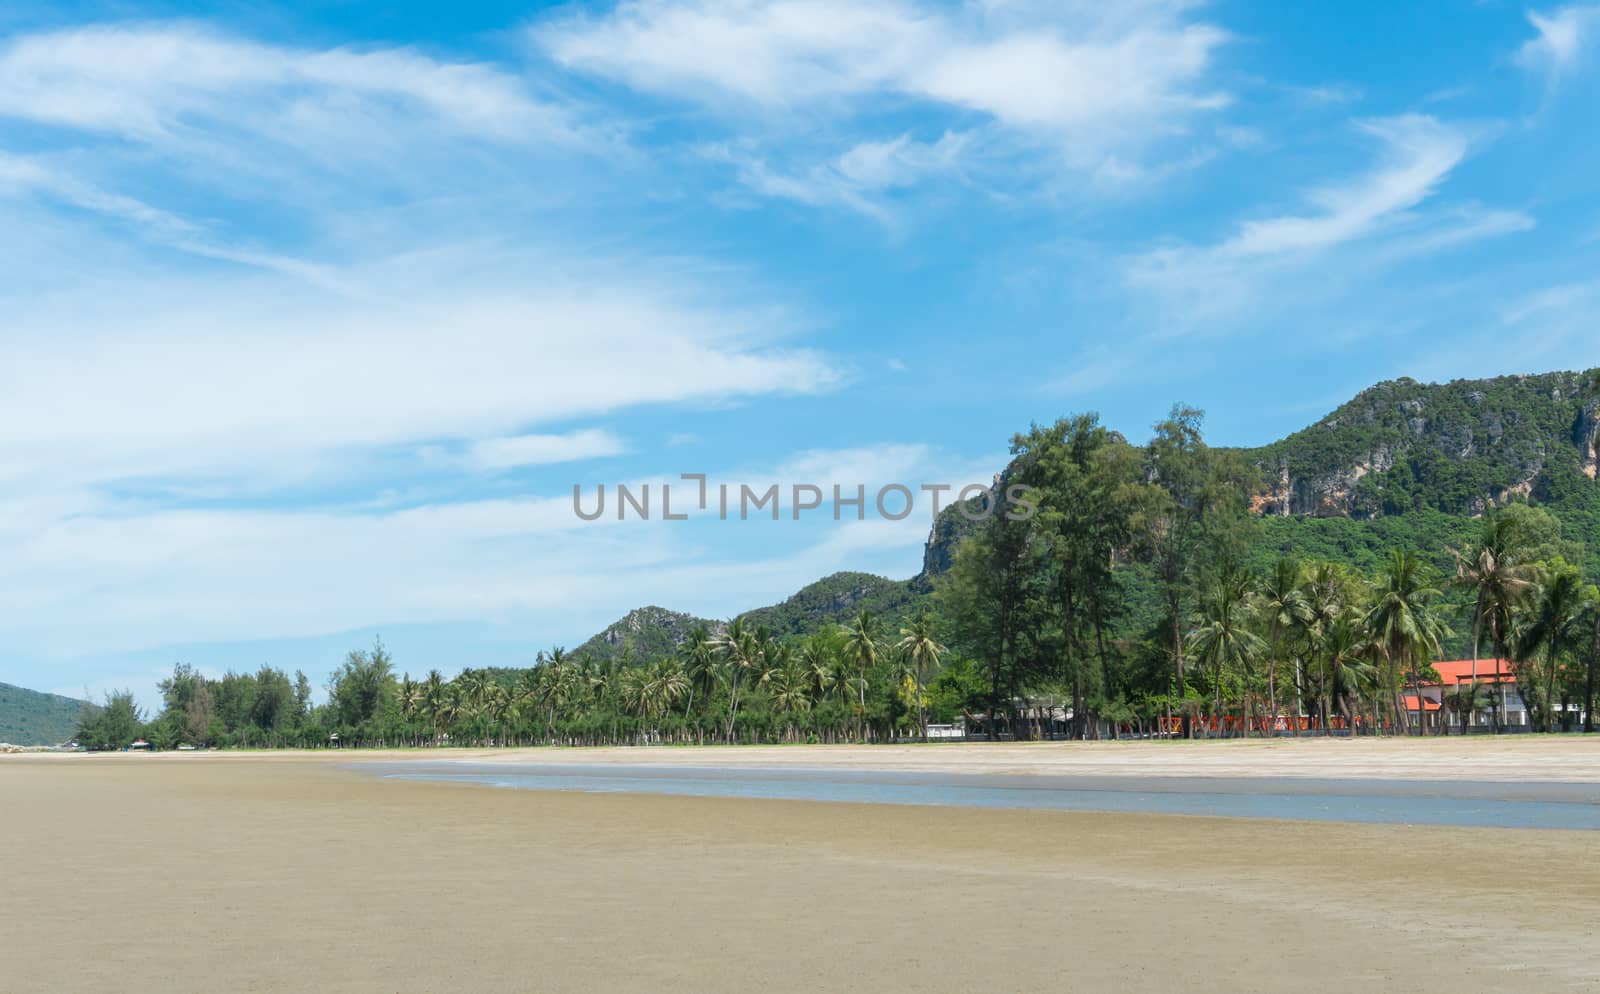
[1424, 802]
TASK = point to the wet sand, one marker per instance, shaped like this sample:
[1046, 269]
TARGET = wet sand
[1507, 758]
[270, 873]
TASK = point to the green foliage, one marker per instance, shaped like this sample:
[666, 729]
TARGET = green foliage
[359, 691]
[28, 717]
[114, 726]
[833, 600]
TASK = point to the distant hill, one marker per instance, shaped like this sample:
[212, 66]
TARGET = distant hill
[836, 599]
[651, 632]
[646, 633]
[1403, 463]
[28, 717]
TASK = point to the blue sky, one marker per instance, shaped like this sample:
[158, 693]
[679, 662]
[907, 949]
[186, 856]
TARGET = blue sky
[314, 314]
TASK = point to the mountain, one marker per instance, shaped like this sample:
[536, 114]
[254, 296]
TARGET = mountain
[647, 632]
[1403, 463]
[650, 632]
[1458, 447]
[835, 599]
[28, 717]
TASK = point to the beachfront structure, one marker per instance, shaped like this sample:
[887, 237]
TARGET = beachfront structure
[1503, 705]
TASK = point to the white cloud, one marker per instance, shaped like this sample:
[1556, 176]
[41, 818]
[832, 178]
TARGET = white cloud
[151, 81]
[538, 450]
[1418, 155]
[858, 178]
[1075, 83]
[1055, 72]
[24, 176]
[902, 161]
[116, 387]
[272, 313]
[1559, 307]
[1562, 37]
[154, 576]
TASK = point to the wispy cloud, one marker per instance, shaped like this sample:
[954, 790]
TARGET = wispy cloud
[538, 450]
[1418, 153]
[130, 388]
[153, 576]
[1077, 83]
[1562, 37]
[1068, 70]
[149, 82]
[858, 179]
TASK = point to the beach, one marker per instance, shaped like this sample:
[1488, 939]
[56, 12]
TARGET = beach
[272, 872]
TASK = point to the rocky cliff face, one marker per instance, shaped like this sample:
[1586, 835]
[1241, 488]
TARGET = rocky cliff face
[1325, 495]
[1459, 447]
[1586, 436]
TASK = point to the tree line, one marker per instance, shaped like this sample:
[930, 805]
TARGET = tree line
[1135, 601]
[1232, 645]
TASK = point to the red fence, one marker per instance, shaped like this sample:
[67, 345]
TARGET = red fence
[1234, 725]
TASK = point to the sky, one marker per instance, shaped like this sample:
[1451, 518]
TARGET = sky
[315, 314]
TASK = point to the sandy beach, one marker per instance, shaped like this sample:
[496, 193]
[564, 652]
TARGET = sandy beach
[262, 872]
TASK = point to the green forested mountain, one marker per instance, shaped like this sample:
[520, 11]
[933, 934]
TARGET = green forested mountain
[1402, 465]
[644, 633]
[650, 632]
[833, 600]
[28, 717]
[1460, 447]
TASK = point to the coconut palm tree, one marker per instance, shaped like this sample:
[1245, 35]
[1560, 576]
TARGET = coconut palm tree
[1349, 652]
[634, 694]
[1325, 590]
[861, 648]
[559, 685]
[667, 685]
[434, 693]
[740, 652]
[1556, 627]
[472, 697]
[1284, 607]
[919, 646]
[1223, 639]
[790, 693]
[818, 656]
[1466, 700]
[1497, 572]
[410, 699]
[699, 657]
[1405, 626]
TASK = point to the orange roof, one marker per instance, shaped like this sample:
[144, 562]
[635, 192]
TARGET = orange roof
[1411, 703]
[1458, 671]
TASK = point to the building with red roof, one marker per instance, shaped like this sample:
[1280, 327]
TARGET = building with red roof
[1503, 706]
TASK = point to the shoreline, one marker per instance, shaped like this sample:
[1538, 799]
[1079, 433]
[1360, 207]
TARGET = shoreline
[1567, 759]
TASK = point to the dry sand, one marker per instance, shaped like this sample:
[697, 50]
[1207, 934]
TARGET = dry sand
[198, 872]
